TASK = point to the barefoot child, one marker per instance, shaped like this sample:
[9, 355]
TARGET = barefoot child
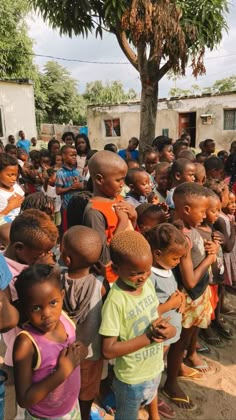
[191, 202]
[127, 330]
[46, 357]
[84, 292]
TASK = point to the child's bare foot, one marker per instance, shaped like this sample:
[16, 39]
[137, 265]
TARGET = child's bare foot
[187, 372]
[175, 394]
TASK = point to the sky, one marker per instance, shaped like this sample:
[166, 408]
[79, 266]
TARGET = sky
[219, 63]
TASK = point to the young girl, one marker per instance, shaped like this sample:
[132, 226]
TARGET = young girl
[168, 245]
[49, 189]
[11, 194]
[82, 146]
[227, 228]
[46, 357]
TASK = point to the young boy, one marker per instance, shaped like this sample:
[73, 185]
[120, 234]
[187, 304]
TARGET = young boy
[214, 167]
[161, 181]
[200, 173]
[81, 249]
[191, 202]
[128, 331]
[138, 182]
[150, 162]
[181, 171]
[67, 180]
[106, 212]
[23, 143]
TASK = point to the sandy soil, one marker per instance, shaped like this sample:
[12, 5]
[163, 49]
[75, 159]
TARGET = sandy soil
[215, 395]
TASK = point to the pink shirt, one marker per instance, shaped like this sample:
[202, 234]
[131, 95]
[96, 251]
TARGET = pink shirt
[62, 400]
[9, 337]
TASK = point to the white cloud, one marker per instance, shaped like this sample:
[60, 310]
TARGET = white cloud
[49, 42]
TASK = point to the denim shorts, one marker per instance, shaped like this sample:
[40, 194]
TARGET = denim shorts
[129, 397]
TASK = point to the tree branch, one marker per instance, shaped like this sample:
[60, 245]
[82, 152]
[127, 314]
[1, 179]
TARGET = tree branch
[127, 50]
[164, 69]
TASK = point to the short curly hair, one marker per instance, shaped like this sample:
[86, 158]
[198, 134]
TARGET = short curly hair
[165, 237]
[130, 244]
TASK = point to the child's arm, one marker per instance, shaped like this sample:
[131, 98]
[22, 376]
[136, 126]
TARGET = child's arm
[175, 301]
[13, 203]
[190, 276]
[229, 240]
[9, 316]
[27, 393]
[63, 190]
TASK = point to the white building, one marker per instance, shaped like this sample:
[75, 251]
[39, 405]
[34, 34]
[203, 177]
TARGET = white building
[17, 109]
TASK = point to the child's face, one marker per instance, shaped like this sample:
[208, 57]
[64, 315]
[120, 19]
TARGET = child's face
[36, 163]
[69, 140]
[188, 174]
[133, 144]
[132, 165]
[111, 184]
[11, 140]
[150, 162]
[23, 156]
[33, 141]
[161, 179]
[167, 154]
[200, 175]
[231, 206]
[81, 145]
[13, 152]
[141, 184]
[28, 255]
[135, 271]
[58, 160]
[169, 258]
[195, 211]
[69, 157]
[52, 179]
[55, 148]
[45, 306]
[8, 177]
[45, 162]
[225, 196]
[213, 210]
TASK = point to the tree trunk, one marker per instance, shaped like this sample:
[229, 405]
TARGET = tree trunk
[148, 113]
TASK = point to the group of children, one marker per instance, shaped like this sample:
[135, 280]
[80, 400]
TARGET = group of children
[142, 270]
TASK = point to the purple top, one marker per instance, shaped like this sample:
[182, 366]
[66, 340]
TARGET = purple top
[62, 399]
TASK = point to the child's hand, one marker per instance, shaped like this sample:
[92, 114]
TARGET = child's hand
[122, 216]
[183, 302]
[211, 247]
[162, 330]
[176, 300]
[69, 359]
[152, 198]
[14, 201]
[217, 237]
[46, 258]
[127, 208]
[76, 185]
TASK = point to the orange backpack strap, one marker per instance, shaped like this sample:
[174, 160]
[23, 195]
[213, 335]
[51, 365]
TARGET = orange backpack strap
[106, 208]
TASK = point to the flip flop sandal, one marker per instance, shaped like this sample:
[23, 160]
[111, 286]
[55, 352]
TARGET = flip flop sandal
[178, 400]
[165, 410]
[192, 376]
[204, 349]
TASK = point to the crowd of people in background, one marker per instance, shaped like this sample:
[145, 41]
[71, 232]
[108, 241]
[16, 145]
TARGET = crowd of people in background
[113, 265]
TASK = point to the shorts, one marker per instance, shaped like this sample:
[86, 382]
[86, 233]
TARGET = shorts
[91, 373]
[129, 397]
[198, 312]
[74, 414]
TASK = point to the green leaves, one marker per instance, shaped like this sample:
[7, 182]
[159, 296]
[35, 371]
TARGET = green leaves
[97, 93]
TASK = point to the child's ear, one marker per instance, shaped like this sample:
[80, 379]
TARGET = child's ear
[62, 293]
[131, 187]
[186, 209]
[178, 176]
[67, 261]
[98, 179]
[157, 253]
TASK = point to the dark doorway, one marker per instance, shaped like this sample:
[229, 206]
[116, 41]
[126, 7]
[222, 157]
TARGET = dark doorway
[187, 124]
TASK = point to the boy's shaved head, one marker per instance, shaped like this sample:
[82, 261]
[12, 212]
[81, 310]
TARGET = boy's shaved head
[104, 162]
[187, 191]
[130, 244]
[83, 242]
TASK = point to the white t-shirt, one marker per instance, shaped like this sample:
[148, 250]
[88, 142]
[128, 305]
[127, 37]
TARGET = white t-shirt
[51, 192]
[4, 197]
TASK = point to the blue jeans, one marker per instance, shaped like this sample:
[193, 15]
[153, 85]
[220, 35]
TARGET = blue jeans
[129, 397]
